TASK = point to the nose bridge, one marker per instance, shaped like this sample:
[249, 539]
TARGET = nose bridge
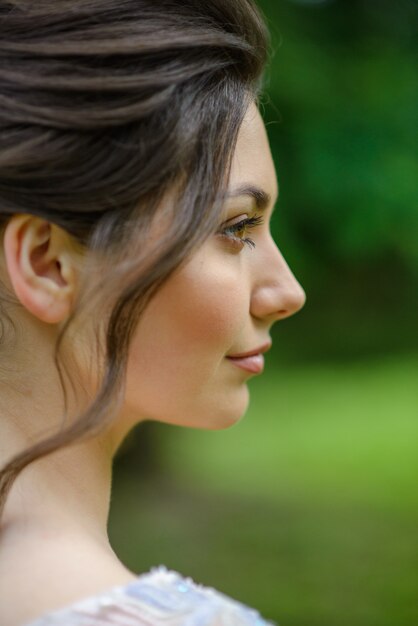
[276, 292]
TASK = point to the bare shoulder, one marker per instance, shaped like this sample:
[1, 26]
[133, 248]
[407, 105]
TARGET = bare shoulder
[38, 579]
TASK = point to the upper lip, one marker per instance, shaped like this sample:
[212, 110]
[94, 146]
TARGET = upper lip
[260, 350]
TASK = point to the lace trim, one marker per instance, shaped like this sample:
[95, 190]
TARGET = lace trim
[160, 596]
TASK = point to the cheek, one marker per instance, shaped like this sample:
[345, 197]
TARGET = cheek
[179, 346]
[207, 307]
[200, 309]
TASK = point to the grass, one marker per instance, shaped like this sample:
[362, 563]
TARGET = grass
[306, 509]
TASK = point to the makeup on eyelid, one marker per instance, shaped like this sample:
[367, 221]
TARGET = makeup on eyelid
[244, 224]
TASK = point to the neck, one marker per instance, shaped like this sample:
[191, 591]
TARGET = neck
[69, 487]
[67, 491]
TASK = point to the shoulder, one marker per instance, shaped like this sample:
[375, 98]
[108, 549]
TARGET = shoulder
[36, 580]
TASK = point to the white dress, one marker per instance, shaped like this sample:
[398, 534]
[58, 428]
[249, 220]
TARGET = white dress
[158, 598]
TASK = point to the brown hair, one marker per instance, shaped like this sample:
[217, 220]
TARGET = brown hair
[105, 106]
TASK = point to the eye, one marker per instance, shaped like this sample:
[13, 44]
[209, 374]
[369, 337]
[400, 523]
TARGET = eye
[237, 232]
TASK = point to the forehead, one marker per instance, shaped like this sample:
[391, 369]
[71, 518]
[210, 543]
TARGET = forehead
[252, 163]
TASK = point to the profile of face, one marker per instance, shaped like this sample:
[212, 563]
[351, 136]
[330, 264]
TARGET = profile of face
[202, 336]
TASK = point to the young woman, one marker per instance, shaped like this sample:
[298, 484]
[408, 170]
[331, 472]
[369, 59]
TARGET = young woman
[139, 279]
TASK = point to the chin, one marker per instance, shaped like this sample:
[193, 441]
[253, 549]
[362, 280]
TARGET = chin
[214, 414]
[226, 413]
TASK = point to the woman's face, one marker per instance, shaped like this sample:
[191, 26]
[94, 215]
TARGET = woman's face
[221, 304]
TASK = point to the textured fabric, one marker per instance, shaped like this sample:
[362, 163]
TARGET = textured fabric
[158, 598]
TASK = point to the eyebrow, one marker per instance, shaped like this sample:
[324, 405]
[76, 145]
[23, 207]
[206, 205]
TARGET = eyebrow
[262, 198]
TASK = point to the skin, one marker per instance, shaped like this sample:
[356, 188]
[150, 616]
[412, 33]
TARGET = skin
[222, 302]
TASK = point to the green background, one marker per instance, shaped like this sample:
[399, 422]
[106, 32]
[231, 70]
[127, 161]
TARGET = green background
[308, 508]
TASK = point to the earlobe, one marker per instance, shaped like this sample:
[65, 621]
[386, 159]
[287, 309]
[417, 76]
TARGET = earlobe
[40, 267]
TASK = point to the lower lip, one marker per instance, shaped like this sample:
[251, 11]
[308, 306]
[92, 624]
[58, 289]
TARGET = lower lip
[253, 364]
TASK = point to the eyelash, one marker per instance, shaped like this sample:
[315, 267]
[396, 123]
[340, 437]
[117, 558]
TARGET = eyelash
[246, 224]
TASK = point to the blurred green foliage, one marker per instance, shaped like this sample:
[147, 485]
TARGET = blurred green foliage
[340, 108]
[307, 509]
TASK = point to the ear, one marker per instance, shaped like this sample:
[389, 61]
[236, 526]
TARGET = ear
[40, 265]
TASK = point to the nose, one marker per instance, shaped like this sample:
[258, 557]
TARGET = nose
[276, 293]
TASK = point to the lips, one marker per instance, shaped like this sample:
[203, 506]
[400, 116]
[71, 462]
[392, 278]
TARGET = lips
[252, 361]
